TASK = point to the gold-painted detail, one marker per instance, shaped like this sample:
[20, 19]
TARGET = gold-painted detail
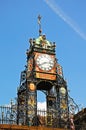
[49, 119]
[63, 104]
[31, 101]
[32, 87]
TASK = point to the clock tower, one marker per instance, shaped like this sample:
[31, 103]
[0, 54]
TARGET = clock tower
[42, 73]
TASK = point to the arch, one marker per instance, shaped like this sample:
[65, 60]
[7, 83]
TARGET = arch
[44, 85]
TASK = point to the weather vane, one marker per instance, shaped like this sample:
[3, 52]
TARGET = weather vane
[39, 22]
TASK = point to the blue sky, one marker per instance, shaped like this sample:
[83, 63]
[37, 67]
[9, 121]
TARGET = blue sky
[63, 22]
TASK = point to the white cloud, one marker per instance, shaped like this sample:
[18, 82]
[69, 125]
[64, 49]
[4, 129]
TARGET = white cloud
[65, 18]
[41, 105]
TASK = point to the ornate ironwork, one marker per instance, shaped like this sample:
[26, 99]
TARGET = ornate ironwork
[8, 114]
[73, 107]
[39, 22]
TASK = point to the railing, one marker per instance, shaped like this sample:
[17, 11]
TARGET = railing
[7, 115]
[48, 119]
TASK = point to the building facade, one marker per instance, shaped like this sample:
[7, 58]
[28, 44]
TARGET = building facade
[80, 120]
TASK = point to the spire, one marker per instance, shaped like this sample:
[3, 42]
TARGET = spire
[39, 22]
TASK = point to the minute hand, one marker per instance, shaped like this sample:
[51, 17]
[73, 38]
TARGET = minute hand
[44, 63]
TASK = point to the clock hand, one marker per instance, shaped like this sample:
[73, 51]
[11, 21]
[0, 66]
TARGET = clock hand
[44, 63]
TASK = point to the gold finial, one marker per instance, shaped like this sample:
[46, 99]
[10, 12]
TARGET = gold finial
[39, 22]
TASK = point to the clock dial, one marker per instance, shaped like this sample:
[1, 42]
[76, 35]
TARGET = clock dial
[45, 62]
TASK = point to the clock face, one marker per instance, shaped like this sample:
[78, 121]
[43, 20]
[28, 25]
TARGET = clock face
[45, 62]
